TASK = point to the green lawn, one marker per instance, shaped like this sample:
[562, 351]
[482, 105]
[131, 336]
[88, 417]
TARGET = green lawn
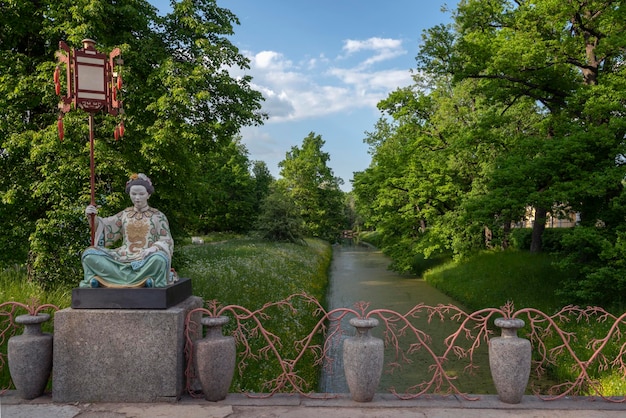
[491, 279]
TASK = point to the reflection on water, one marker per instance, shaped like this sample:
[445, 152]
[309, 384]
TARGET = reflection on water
[360, 274]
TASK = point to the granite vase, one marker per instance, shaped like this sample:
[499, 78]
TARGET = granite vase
[215, 357]
[30, 356]
[363, 356]
[509, 361]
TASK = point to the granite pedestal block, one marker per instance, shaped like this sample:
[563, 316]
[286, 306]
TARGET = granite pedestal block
[120, 355]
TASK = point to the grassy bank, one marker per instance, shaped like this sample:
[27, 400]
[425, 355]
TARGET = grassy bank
[491, 279]
[528, 280]
[251, 273]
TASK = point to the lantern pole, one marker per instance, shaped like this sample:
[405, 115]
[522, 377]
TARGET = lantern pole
[92, 176]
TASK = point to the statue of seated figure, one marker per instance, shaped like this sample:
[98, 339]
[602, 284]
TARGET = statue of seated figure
[145, 257]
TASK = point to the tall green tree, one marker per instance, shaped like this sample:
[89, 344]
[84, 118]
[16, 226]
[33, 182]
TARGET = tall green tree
[568, 57]
[313, 187]
[226, 194]
[563, 55]
[263, 181]
[279, 218]
[430, 155]
[181, 105]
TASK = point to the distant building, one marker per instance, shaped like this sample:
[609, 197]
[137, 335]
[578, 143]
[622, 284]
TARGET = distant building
[566, 219]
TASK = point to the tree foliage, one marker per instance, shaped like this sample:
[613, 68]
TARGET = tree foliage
[182, 107]
[311, 184]
[263, 181]
[523, 108]
[279, 218]
[227, 196]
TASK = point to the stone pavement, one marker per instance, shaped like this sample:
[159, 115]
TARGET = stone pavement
[284, 405]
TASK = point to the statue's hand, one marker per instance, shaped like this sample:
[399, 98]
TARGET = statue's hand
[91, 210]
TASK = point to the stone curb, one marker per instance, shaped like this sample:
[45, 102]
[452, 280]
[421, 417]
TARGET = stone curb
[286, 405]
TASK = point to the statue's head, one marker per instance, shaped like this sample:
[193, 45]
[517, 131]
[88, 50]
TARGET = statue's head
[140, 179]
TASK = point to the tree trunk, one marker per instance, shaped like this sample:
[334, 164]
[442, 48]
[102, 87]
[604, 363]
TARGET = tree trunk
[591, 65]
[422, 220]
[506, 233]
[488, 237]
[538, 227]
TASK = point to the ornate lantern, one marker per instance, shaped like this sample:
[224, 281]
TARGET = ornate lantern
[92, 83]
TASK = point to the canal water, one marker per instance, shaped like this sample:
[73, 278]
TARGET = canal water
[361, 274]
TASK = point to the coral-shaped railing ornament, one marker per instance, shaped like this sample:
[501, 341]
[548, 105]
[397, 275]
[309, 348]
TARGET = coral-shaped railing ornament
[549, 338]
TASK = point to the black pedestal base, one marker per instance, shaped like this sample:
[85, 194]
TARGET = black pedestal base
[139, 298]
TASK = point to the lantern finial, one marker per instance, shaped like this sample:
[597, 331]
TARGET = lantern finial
[89, 44]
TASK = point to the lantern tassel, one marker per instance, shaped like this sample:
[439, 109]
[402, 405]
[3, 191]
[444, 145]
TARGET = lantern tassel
[60, 128]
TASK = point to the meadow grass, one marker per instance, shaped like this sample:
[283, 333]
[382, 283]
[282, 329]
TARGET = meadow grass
[491, 279]
[231, 269]
[251, 273]
[15, 286]
[243, 271]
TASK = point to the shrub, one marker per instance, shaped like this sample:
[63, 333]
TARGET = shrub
[371, 237]
[595, 259]
[279, 219]
[56, 248]
[551, 241]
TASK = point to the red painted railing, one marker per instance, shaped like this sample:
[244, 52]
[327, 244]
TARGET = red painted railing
[406, 335]
[548, 334]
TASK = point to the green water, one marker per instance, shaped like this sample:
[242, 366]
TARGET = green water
[361, 274]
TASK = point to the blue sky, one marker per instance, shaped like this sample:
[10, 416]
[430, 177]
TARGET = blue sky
[322, 67]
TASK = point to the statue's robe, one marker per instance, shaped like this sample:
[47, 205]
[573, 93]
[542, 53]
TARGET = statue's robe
[124, 266]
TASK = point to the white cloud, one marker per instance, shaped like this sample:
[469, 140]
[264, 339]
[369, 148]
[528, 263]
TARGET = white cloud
[384, 49]
[374, 44]
[276, 104]
[377, 81]
[316, 87]
[270, 59]
[261, 144]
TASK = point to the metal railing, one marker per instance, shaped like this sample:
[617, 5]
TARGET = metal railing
[409, 335]
[406, 335]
